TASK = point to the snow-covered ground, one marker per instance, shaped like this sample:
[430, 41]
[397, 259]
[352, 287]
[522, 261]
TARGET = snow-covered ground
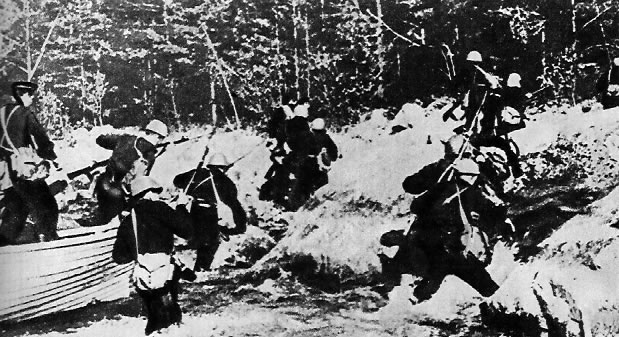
[340, 228]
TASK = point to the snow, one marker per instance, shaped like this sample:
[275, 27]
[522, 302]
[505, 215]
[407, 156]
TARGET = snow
[364, 199]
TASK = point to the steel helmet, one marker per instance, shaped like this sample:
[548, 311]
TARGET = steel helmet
[467, 170]
[143, 184]
[218, 159]
[513, 80]
[318, 124]
[158, 127]
[301, 110]
[474, 56]
[454, 145]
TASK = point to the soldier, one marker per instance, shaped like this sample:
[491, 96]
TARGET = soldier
[511, 105]
[210, 187]
[277, 184]
[23, 146]
[300, 140]
[276, 125]
[325, 152]
[131, 156]
[608, 86]
[478, 87]
[152, 226]
[453, 212]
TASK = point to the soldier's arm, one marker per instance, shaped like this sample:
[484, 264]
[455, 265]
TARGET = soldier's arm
[423, 179]
[182, 180]
[108, 141]
[177, 220]
[45, 147]
[124, 246]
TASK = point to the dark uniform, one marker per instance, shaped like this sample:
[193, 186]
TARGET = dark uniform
[608, 87]
[276, 126]
[325, 151]
[157, 223]
[204, 210]
[301, 142]
[110, 189]
[276, 188]
[26, 197]
[433, 248]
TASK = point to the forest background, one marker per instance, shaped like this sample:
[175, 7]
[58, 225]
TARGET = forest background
[123, 62]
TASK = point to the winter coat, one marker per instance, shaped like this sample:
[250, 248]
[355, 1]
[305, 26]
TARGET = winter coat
[24, 130]
[299, 136]
[124, 152]
[276, 126]
[201, 188]
[157, 224]
[439, 208]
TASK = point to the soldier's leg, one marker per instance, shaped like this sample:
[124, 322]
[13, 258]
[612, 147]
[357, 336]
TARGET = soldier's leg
[473, 272]
[42, 207]
[13, 217]
[205, 253]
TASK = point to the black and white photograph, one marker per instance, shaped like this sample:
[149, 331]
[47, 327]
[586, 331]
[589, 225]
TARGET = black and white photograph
[309, 168]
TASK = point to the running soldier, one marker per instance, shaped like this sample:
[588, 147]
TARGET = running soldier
[210, 187]
[147, 237]
[25, 154]
[132, 156]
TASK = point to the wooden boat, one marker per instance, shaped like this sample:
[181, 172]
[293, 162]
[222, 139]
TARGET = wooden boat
[42, 278]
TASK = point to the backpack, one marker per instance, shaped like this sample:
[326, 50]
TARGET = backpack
[151, 271]
[24, 162]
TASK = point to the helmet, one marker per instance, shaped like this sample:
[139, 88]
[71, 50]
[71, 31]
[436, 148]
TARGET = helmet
[474, 56]
[513, 80]
[318, 124]
[218, 159]
[454, 145]
[468, 170]
[301, 110]
[145, 183]
[157, 127]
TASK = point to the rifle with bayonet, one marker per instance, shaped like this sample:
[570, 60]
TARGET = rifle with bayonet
[88, 170]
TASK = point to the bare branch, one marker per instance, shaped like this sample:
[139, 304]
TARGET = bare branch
[219, 63]
[42, 51]
[413, 43]
[595, 18]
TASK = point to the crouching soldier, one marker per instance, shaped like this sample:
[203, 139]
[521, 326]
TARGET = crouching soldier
[147, 237]
[447, 237]
[25, 155]
[131, 156]
[210, 187]
[277, 185]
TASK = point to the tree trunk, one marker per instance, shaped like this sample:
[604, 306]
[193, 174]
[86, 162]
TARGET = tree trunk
[308, 55]
[213, 105]
[296, 50]
[280, 77]
[381, 45]
[573, 52]
[28, 35]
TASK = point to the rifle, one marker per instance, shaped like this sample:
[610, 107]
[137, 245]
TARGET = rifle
[89, 169]
[193, 176]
